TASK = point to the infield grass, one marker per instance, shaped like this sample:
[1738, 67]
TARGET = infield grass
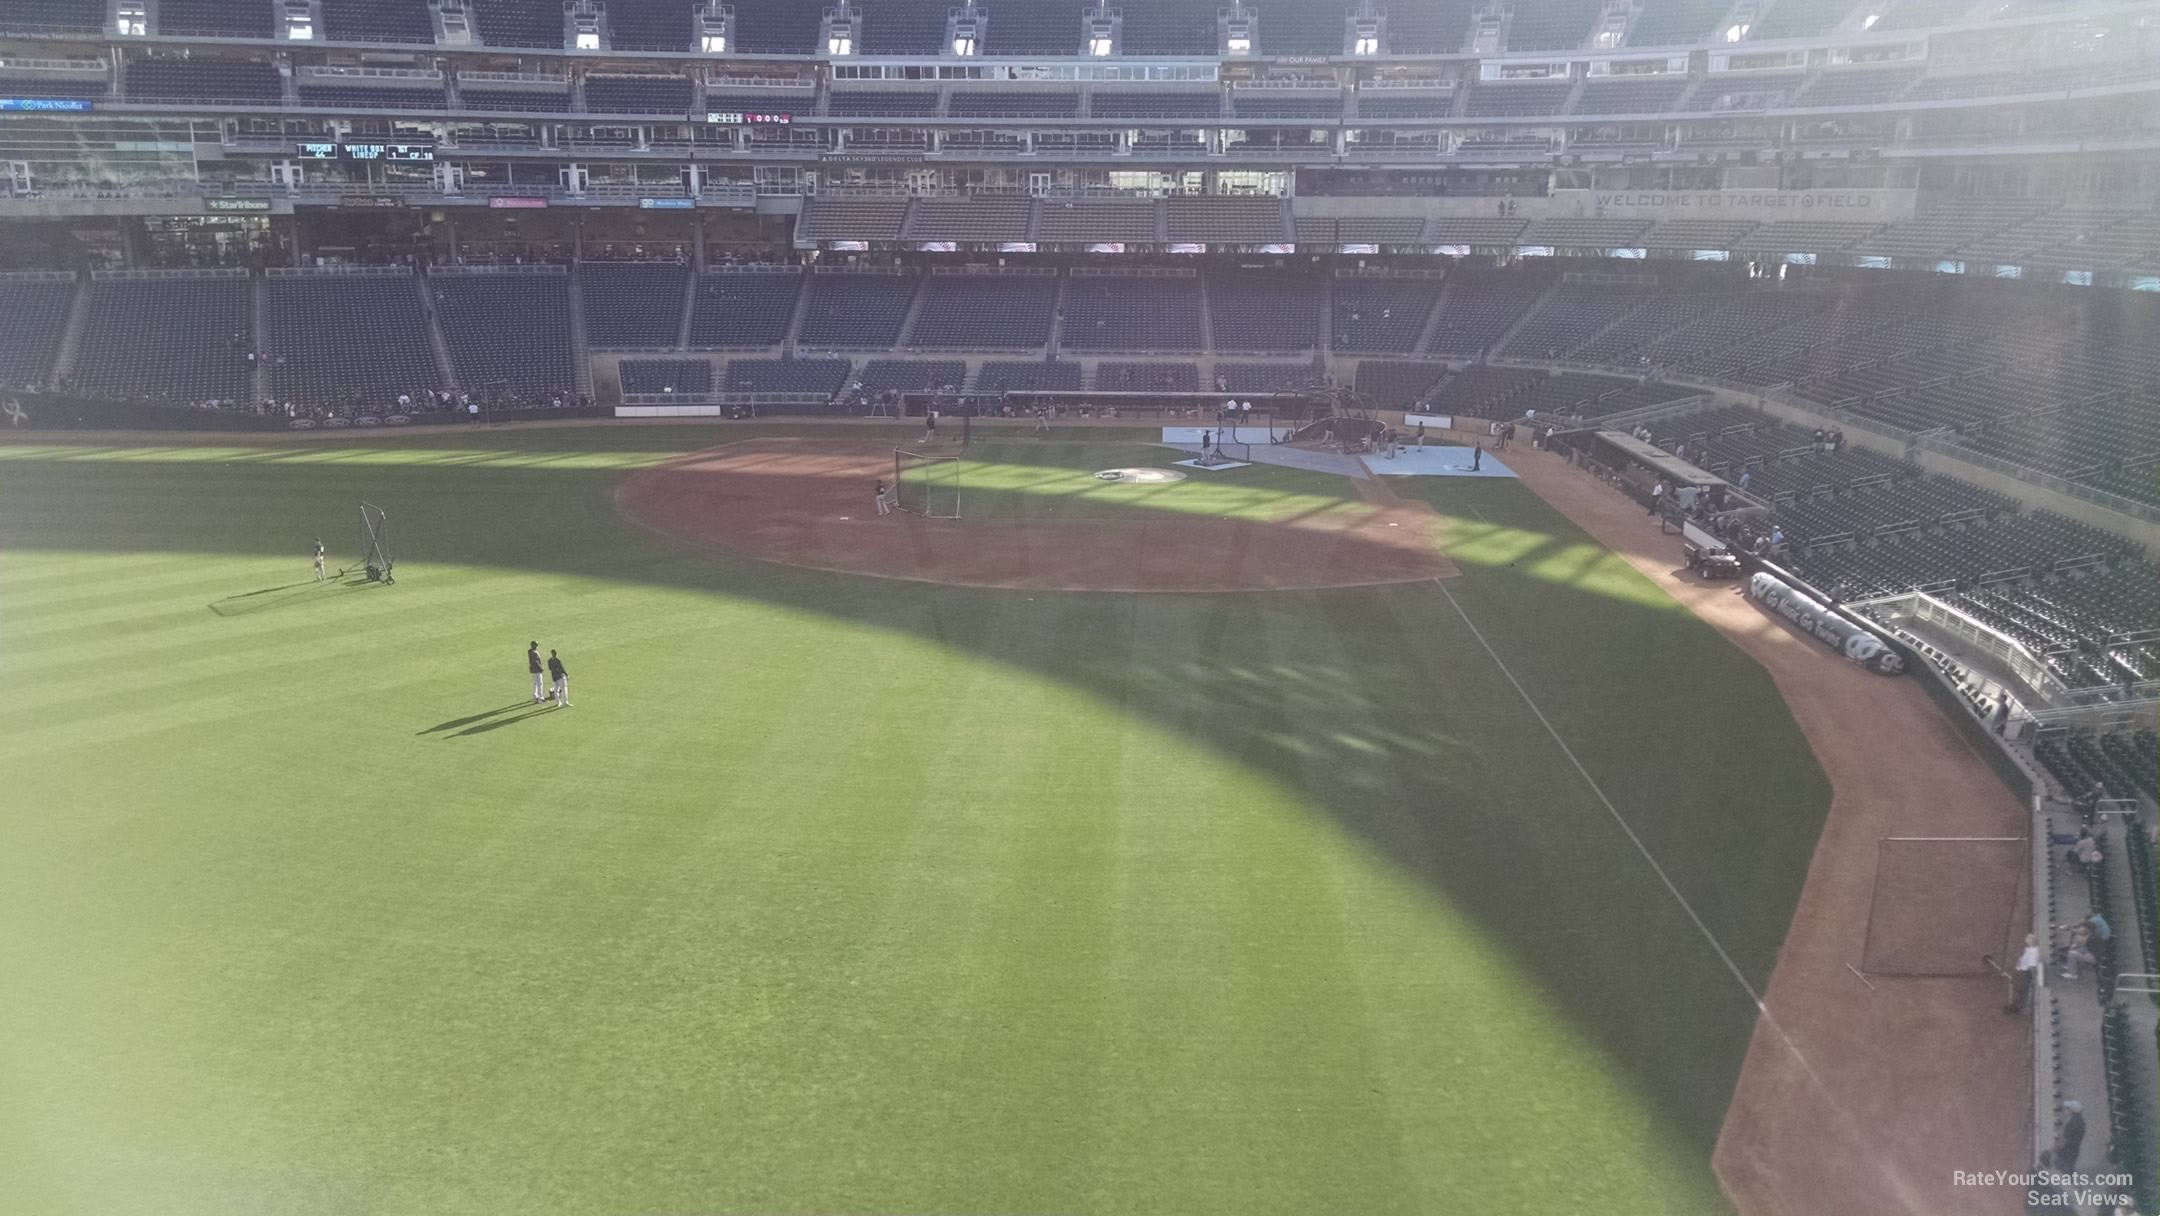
[836, 894]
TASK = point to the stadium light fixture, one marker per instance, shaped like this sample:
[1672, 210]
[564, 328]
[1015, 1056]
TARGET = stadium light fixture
[1868, 23]
[1736, 31]
[840, 44]
[1365, 46]
[963, 46]
[132, 20]
[588, 40]
[714, 44]
[1239, 46]
[1099, 47]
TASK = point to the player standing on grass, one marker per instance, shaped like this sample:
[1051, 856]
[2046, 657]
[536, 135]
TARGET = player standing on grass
[532, 663]
[319, 576]
[562, 679]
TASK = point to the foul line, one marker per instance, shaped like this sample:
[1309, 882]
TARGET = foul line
[1614, 811]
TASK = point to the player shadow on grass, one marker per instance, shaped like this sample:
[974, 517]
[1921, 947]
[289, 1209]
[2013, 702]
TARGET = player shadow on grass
[288, 594]
[469, 719]
[495, 723]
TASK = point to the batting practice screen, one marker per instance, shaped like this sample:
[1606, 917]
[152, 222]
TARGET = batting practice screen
[926, 485]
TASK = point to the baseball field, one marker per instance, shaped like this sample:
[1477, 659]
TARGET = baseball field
[1150, 875]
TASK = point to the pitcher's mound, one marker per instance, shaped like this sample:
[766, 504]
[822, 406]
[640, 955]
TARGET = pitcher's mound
[809, 503]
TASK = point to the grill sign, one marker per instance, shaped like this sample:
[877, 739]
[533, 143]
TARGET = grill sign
[1830, 629]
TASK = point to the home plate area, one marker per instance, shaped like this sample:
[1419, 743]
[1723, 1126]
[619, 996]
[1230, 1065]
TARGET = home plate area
[1245, 446]
[1435, 461]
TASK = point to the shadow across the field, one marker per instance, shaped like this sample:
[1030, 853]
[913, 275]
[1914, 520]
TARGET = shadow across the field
[307, 591]
[1380, 707]
[484, 715]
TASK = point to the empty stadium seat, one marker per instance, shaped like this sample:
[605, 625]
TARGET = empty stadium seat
[1003, 104]
[650, 25]
[780, 27]
[1396, 385]
[667, 376]
[1225, 220]
[33, 314]
[632, 305]
[377, 21]
[1676, 22]
[1262, 313]
[1112, 377]
[511, 329]
[985, 312]
[1037, 374]
[853, 311]
[1556, 25]
[744, 308]
[533, 23]
[215, 18]
[1252, 103]
[343, 98]
[883, 103]
[1113, 104]
[517, 100]
[204, 79]
[830, 218]
[52, 16]
[1630, 94]
[637, 95]
[1382, 315]
[912, 375]
[1130, 312]
[180, 340]
[336, 337]
[969, 219]
[810, 377]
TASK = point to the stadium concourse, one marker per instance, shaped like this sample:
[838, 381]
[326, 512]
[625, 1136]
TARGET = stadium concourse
[1270, 607]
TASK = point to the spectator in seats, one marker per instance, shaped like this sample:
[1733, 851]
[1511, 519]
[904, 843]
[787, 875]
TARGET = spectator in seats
[2084, 852]
[1777, 538]
[2079, 950]
[2070, 1141]
[2088, 803]
[2102, 932]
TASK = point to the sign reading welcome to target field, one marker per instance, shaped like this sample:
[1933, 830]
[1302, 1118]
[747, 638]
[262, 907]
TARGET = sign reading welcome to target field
[1849, 206]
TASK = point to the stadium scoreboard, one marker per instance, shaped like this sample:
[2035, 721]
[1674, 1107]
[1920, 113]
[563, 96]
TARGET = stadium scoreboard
[331, 150]
[743, 118]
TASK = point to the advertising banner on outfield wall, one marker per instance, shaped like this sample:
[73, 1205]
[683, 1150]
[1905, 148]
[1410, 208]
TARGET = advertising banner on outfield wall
[1844, 206]
[1828, 627]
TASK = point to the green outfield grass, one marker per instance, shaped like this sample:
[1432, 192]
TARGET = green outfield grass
[835, 894]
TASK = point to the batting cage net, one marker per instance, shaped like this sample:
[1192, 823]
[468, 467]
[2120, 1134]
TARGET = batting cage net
[926, 485]
[1945, 905]
[1226, 453]
[374, 543]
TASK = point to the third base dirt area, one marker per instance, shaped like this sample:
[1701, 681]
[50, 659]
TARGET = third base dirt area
[1405, 849]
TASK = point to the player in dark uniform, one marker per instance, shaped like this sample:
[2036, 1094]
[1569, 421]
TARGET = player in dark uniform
[561, 675]
[532, 663]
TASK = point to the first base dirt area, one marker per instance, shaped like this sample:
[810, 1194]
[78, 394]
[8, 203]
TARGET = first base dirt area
[809, 503]
[1854, 1100]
